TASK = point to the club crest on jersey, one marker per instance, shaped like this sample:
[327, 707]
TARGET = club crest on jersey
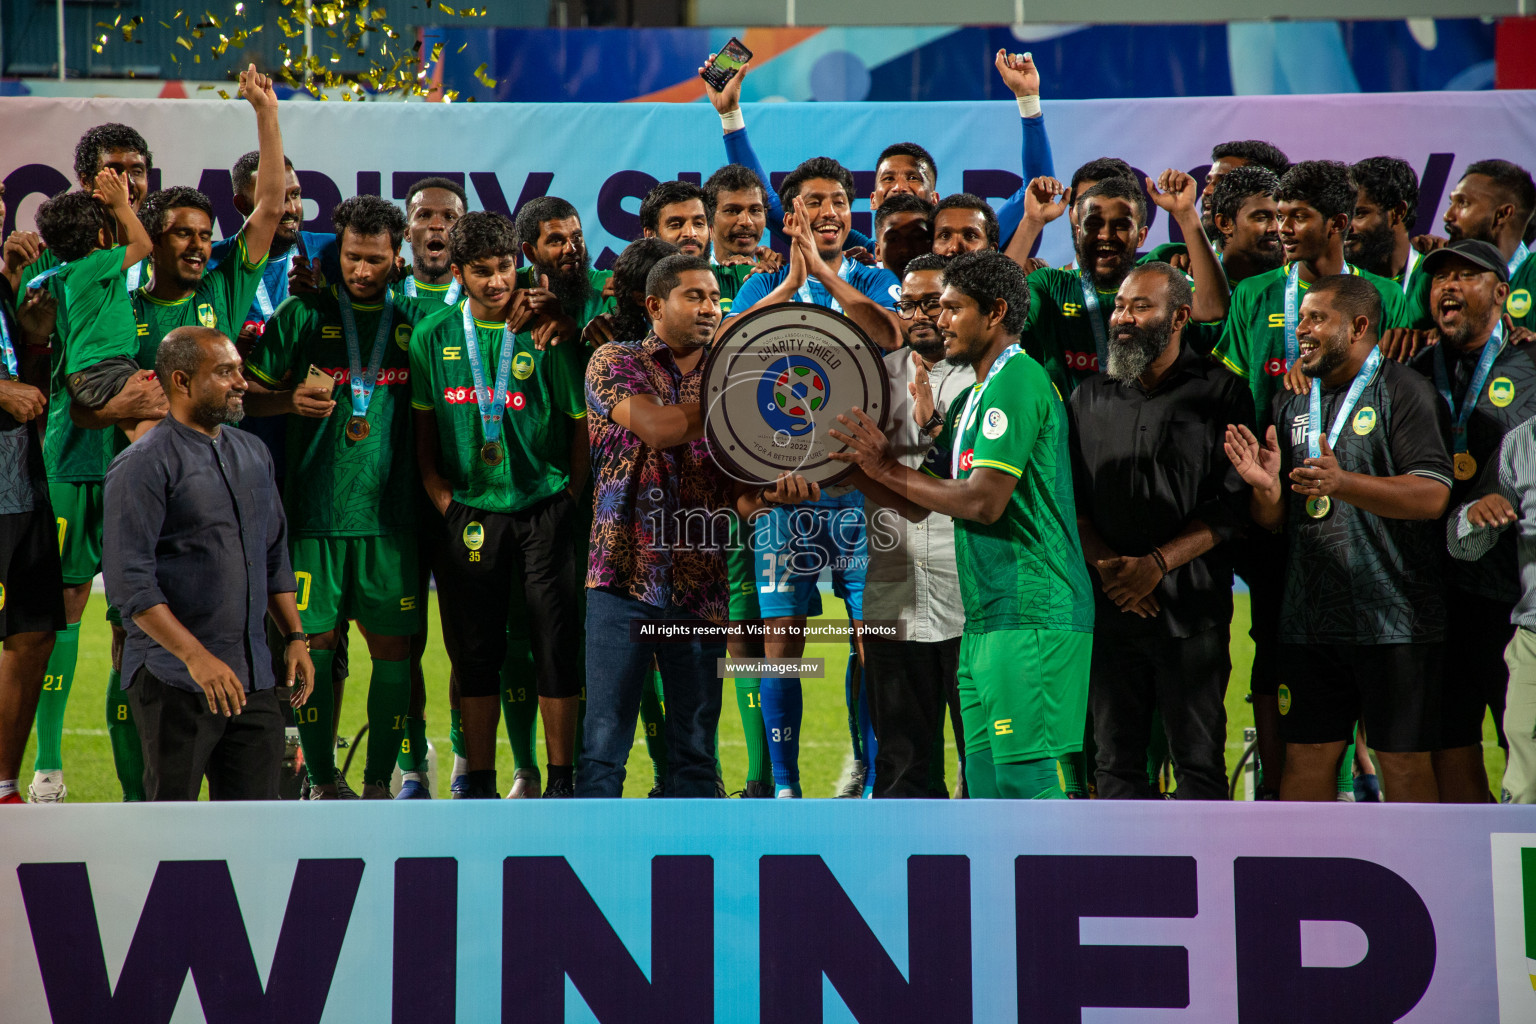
[403, 336]
[1519, 302]
[207, 317]
[1365, 421]
[1283, 697]
[1501, 392]
[994, 424]
[965, 459]
[474, 536]
[2, 597]
[522, 365]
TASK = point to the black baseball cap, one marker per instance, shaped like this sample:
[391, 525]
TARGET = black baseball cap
[1474, 251]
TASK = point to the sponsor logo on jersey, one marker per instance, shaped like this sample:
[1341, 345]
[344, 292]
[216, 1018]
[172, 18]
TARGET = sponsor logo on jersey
[1003, 727]
[1365, 421]
[387, 375]
[1501, 392]
[1299, 429]
[466, 396]
[1083, 362]
[1277, 321]
[330, 332]
[965, 459]
[1274, 367]
[516, 401]
[451, 352]
[994, 424]
[474, 536]
[206, 316]
[1519, 302]
[1071, 309]
[522, 365]
[1283, 696]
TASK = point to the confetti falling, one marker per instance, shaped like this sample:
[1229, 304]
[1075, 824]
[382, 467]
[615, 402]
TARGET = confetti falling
[337, 26]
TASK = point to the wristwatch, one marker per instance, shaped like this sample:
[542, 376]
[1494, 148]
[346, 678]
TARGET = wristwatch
[933, 423]
[300, 637]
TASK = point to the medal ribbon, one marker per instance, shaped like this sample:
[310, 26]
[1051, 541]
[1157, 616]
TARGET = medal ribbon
[449, 298]
[1520, 256]
[971, 401]
[1292, 311]
[1315, 420]
[362, 385]
[1413, 261]
[844, 271]
[264, 300]
[8, 350]
[1091, 304]
[37, 282]
[1491, 349]
[494, 404]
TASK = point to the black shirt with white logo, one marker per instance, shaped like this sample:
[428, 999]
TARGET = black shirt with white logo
[1353, 577]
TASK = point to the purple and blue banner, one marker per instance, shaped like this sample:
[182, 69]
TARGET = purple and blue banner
[605, 157]
[689, 912]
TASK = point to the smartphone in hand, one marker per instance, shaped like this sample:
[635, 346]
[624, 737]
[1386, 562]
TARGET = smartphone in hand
[726, 65]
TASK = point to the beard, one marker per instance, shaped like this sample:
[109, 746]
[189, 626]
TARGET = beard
[571, 287]
[211, 413]
[1371, 250]
[1104, 282]
[1469, 326]
[1335, 351]
[930, 347]
[1133, 349]
[1265, 257]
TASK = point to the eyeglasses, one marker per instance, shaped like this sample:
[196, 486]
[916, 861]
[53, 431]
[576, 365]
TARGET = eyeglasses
[907, 310]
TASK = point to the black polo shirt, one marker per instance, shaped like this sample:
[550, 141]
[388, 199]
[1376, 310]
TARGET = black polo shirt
[1354, 577]
[1146, 463]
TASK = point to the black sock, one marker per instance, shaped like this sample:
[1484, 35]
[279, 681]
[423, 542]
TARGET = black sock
[560, 773]
[481, 783]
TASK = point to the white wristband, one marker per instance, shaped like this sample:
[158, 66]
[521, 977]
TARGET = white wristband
[732, 121]
[1029, 106]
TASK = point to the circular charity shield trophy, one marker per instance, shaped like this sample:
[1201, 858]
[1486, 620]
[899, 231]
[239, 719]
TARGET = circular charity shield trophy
[774, 385]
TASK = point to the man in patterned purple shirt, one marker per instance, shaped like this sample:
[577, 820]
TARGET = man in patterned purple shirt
[659, 532]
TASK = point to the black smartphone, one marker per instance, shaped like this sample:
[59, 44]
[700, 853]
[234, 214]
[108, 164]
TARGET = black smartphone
[726, 65]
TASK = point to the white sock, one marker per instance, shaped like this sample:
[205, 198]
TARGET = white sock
[7, 787]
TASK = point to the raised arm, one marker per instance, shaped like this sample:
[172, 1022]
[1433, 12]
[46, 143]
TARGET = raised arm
[271, 175]
[1175, 192]
[1019, 73]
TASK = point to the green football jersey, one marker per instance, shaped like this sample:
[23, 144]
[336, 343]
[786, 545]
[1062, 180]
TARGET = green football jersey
[1164, 252]
[219, 302]
[1025, 571]
[1058, 333]
[95, 315]
[1252, 343]
[335, 486]
[597, 303]
[730, 276]
[546, 400]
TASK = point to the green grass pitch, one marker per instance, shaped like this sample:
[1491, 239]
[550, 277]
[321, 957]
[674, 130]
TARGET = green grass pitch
[825, 751]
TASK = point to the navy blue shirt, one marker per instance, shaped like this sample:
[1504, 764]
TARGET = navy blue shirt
[194, 522]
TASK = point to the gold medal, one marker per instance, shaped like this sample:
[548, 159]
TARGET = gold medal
[358, 428]
[1466, 466]
[491, 453]
[1319, 507]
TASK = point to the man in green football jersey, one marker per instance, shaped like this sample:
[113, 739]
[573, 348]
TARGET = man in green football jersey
[502, 452]
[1494, 201]
[1068, 326]
[76, 461]
[1025, 653]
[558, 284]
[1380, 227]
[431, 207]
[350, 489]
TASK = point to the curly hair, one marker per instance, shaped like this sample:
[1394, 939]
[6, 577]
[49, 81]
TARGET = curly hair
[158, 206]
[478, 234]
[369, 215]
[1388, 181]
[1255, 151]
[1234, 188]
[1513, 179]
[102, 139]
[1118, 188]
[630, 271]
[71, 224]
[1321, 184]
[1102, 169]
[986, 276]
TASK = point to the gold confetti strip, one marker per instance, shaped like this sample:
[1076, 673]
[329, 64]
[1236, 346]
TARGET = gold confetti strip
[393, 66]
